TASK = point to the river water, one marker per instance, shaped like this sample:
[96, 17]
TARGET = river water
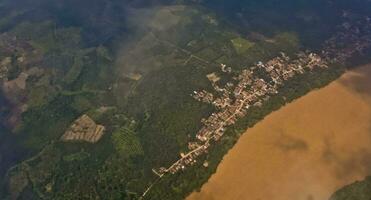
[304, 151]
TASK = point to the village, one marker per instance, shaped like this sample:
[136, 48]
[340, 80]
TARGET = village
[353, 38]
[235, 98]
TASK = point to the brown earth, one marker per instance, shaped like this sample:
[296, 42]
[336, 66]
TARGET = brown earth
[304, 151]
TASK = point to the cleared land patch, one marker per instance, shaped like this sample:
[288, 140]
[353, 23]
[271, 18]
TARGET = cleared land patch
[241, 45]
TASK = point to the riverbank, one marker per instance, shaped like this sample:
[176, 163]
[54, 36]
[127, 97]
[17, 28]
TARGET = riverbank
[306, 150]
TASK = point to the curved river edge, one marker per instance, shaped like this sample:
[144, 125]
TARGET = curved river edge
[305, 151]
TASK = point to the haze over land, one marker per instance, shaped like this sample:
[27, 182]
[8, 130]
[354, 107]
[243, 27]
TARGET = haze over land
[307, 150]
[141, 99]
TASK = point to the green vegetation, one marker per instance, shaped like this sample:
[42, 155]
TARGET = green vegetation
[360, 190]
[88, 62]
[183, 183]
[288, 40]
[126, 142]
[241, 45]
[82, 155]
[38, 171]
[40, 96]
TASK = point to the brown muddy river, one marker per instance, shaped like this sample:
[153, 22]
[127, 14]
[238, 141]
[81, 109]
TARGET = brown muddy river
[305, 151]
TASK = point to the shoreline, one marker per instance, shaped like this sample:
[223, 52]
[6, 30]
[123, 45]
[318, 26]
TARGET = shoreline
[343, 77]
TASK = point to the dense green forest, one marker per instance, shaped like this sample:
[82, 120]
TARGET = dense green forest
[360, 190]
[131, 66]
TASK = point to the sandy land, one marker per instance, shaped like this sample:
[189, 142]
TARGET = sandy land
[304, 151]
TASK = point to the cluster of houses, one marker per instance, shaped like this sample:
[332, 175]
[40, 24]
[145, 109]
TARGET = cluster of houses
[249, 89]
[19, 62]
[4, 67]
[188, 159]
[282, 68]
[14, 50]
[234, 100]
[10, 44]
[354, 37]
[203, 96]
